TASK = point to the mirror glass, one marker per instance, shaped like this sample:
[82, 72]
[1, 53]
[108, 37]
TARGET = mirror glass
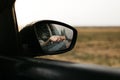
[53, 37]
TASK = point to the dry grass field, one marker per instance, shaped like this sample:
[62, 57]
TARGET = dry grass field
[99, 46]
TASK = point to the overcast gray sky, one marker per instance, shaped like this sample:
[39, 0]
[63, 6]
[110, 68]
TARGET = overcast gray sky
[73, 12]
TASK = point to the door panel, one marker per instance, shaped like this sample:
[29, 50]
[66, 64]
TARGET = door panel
[44, 69]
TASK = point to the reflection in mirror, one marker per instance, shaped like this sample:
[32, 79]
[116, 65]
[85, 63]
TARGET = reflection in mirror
[53, 37]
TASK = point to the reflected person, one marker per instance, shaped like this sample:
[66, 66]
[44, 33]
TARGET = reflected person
[50, 38]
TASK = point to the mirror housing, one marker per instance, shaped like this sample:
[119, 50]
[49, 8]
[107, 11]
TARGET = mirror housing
[47, 37]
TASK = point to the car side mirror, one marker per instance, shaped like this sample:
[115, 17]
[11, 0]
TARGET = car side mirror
[47, 37]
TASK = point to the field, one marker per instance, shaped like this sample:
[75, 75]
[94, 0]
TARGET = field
[95, 45]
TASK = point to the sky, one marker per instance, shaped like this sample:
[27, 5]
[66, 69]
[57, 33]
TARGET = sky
[73, 12]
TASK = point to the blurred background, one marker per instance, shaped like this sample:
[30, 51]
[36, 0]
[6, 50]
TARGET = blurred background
[97, 23]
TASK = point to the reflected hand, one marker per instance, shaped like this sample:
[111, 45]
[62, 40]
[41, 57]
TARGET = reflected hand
[57, 38]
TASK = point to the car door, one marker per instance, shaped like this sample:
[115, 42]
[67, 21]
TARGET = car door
[17, 67]
[45, 69]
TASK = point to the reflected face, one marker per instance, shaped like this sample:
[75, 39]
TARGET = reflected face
[54, 37]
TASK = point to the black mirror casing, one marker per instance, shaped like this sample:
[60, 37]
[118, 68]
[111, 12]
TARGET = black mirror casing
[30, 41]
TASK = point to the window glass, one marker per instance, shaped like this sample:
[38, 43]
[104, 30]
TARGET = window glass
[95, 45]
[97, 23]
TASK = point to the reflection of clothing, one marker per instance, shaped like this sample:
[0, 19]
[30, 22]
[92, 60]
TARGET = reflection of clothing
[45, 31]
[64, 31]
[55, 46]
